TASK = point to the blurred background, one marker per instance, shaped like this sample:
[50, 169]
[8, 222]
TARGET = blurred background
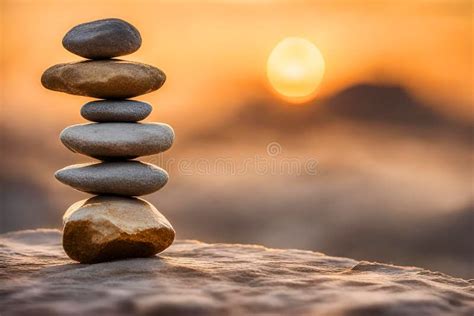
[388, 130]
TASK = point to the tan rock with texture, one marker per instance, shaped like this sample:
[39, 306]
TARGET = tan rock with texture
[105, 79]
[105, 228]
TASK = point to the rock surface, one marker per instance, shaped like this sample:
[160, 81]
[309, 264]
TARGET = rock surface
[104, 79]
[103, 39]
[193, 278]
[129, 178]
[107, 141]
[115, 111]
[105, 228]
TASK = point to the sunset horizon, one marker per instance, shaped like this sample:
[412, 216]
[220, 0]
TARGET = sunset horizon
[238, 157]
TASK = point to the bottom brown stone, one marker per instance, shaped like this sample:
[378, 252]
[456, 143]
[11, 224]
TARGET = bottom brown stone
[105, 228]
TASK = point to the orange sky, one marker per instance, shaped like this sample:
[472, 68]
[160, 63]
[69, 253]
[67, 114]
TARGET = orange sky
[215, 52]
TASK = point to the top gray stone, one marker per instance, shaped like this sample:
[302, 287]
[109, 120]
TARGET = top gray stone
[102, 39]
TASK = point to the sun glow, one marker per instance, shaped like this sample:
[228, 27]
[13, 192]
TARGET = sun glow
[295, 69]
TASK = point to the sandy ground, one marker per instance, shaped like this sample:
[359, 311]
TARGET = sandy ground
[194, 278]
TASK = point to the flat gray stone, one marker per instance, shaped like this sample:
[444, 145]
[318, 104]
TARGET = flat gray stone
[104, 79]
[105, 228]
[116, 111]
[127, 178]
[111, 141]
[103, 39]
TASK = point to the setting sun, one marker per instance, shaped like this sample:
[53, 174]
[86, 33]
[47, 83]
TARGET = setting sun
[295, 68]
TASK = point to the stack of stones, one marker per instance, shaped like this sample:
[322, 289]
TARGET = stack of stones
[113, 224]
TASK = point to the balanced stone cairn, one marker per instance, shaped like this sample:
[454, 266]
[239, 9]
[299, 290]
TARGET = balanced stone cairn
[114, 224]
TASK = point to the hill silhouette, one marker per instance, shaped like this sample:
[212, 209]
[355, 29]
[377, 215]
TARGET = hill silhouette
[387, 106]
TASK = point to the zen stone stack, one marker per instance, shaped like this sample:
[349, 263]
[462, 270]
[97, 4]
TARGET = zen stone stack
[114, 224]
